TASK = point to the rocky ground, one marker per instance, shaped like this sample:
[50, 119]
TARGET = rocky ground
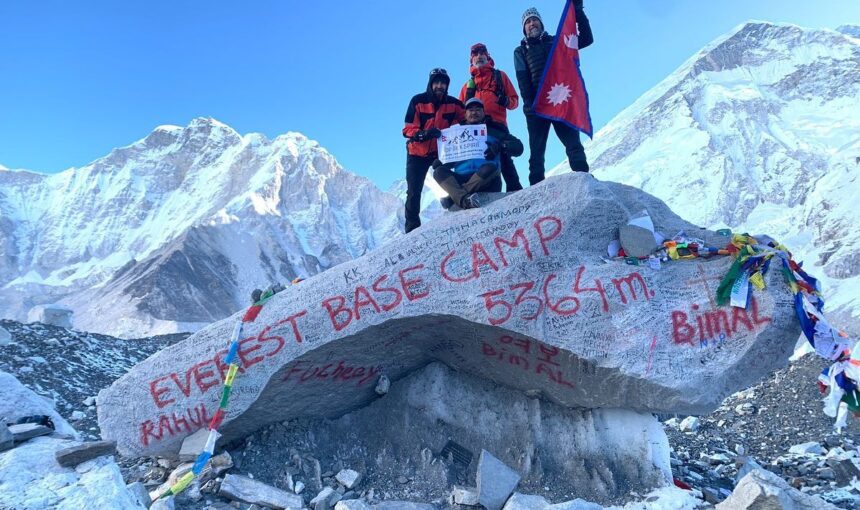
[762, 423]
[765, 422]
[71, 367]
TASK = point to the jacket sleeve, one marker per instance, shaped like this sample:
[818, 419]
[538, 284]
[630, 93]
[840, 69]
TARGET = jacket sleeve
[462, 96]
[513, 145]
[586, 38]
[524, 78]
[412, 126]
[510, 91]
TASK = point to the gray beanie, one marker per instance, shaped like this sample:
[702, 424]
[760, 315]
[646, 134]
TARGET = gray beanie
[531, 12]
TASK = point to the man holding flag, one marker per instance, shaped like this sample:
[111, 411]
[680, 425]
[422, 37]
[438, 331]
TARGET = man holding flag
[551, 85]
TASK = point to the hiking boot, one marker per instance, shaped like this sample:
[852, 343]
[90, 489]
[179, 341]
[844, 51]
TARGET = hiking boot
[471, 201]
[446, 202]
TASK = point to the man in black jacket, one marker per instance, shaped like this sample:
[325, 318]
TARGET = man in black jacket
[530, 59]
[427, 115]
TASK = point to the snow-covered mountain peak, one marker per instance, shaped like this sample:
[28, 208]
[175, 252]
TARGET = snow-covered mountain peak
[758, 131]
[174, 203]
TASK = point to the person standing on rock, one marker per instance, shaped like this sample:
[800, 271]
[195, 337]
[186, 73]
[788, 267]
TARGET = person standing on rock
[495, 90]
[463, 179]
[428, 113]
[530, 59]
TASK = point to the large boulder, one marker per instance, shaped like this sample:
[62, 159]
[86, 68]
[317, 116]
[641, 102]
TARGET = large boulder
[762, 490]
[53, 314]
[31, 479]
[5, 337]
[517, 292]
[17, 401]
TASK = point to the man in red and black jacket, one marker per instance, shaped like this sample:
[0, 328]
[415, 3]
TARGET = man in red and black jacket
[428, 114]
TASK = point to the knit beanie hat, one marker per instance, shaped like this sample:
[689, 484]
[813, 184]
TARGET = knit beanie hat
[531, 12]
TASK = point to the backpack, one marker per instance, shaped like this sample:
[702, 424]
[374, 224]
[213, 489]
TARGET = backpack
[500, 88]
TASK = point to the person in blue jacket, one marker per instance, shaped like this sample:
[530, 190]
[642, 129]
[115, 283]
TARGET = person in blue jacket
[463, 179]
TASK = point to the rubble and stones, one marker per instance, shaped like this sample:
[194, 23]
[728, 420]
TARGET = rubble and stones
[789, 413]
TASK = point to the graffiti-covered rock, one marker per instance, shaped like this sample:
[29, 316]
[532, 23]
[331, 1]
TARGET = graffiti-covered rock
[519, 292]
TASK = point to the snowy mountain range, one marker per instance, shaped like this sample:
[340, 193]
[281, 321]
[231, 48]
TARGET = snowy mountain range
[760, 132]
[175, 230]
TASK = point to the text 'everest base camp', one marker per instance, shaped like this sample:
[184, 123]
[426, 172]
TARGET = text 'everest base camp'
[520, 293]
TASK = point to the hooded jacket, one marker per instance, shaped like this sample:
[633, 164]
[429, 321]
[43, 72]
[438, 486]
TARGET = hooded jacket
[531, 55]
[488, 83]
[426, 112]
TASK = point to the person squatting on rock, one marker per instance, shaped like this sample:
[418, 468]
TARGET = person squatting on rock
[462, 179]
[428, 113]
[530, 58]
[495, 90]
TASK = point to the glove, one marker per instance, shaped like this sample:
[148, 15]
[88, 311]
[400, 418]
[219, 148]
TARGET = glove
[436, 164]
[503, 101]
[421, 136]
[493, 150]
[433, 133]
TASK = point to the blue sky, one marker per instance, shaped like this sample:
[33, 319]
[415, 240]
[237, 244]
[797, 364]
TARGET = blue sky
[80, 78]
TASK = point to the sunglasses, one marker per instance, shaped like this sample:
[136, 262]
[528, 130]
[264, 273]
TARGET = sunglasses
[438, 70]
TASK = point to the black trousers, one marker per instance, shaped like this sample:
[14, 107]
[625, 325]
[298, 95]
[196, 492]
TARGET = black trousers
[416, 172]
[539, 132]
[509, 173]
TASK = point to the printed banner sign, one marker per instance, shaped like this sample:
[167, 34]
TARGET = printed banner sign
[462, 142]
